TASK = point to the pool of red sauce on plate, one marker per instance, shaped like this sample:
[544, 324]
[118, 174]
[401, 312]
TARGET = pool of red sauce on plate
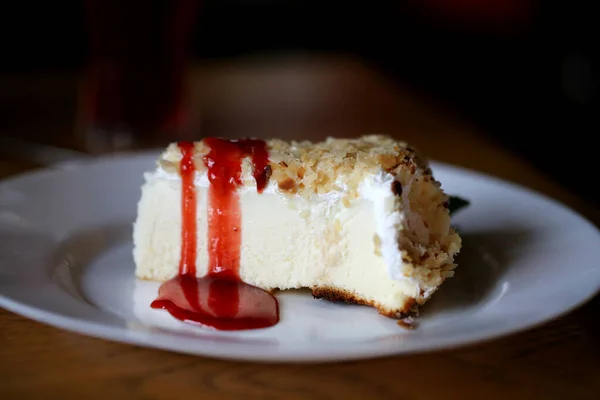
[220, 299]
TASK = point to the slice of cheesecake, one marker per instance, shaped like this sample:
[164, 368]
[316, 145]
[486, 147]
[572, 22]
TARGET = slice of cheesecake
[357, 220]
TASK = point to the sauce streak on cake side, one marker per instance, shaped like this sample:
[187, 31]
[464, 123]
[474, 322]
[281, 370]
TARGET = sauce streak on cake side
[220, 300]
[187, 263]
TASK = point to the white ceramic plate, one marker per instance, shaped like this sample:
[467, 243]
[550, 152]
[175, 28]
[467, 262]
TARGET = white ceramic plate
[65, 260]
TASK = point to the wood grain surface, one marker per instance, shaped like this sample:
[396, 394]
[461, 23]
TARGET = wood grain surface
[294, 98]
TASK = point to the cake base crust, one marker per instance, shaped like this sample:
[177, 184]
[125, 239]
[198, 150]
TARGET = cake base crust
[336, 295]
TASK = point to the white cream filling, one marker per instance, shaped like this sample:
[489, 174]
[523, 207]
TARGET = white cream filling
[377, 189]
[389, 220]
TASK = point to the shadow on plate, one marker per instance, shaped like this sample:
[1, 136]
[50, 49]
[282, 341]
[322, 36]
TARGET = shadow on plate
[21, 254]
[483, 262]
[80, 249]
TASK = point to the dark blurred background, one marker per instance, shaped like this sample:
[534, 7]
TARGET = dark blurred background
[524, 72]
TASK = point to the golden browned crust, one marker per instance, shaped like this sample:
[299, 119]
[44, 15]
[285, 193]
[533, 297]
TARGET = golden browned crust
[337, 295]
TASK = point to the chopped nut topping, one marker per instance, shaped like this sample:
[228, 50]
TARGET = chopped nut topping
[268, 172]
[288, 185]
[397, 188]
[377, 243]
[322, 167]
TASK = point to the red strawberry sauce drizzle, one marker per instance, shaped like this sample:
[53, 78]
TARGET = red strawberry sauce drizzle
[220, 300]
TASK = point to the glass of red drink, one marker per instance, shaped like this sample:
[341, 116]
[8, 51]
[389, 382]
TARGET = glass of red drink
[134, 86]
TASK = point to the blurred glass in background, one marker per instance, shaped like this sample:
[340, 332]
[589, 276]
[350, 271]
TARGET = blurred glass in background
[134, 85]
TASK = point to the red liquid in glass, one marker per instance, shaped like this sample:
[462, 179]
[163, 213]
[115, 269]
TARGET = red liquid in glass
[136, 69]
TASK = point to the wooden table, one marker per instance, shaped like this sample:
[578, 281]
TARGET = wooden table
[296, 98]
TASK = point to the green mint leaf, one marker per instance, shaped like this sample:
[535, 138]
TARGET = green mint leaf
[456, 203]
